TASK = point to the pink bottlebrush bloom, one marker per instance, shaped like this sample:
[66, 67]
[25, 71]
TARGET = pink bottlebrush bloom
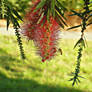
[30, 23]
[44, 36]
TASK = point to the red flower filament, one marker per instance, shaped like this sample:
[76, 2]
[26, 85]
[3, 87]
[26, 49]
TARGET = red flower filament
[44, 36]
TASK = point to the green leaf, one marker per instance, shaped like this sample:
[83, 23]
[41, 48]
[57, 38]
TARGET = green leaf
[58, 20]
[8, 17]
[80, 41]
[71, 79]
[61, 19]
[89, 23]
[16, 14]
[59, 11]
[60, 5]
[83, 43]
[81, 77]
[74, 81]
[78, 14]
[40, 18]
[90, 15]
[40, 5]
[53, 7]
[48, 15]
[78, 80]
[3, 8]
[63, 22]
[14, 21]
[86, 12]
[74, 27]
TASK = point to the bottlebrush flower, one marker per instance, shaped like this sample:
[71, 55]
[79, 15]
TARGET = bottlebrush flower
[44, 36]
[30, 22]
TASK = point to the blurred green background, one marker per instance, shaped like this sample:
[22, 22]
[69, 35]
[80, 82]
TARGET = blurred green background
[31, 75]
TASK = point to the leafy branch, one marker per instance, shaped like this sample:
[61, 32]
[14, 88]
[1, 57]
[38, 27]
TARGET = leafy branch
[84, 15]
[76, 75]
[52, 8]
[8, 12]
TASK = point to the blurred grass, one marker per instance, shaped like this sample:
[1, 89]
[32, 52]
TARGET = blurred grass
[32, 75]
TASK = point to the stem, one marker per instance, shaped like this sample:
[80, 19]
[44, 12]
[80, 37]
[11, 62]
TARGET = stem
[19, 43]
[77, 69]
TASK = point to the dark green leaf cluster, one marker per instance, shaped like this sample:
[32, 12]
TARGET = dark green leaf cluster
[11, 15]
[76, 75]
[52, 8]
[85, 15]
[2, 9]
[19, 42]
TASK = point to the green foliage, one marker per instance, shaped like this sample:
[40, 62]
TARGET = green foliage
[9, 12]
[52, 8]
[76, 75]
[2, 8]
[85, 14]
[21, 6]
[19, 42]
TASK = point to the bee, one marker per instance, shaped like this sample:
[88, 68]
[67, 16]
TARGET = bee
[60, 50]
